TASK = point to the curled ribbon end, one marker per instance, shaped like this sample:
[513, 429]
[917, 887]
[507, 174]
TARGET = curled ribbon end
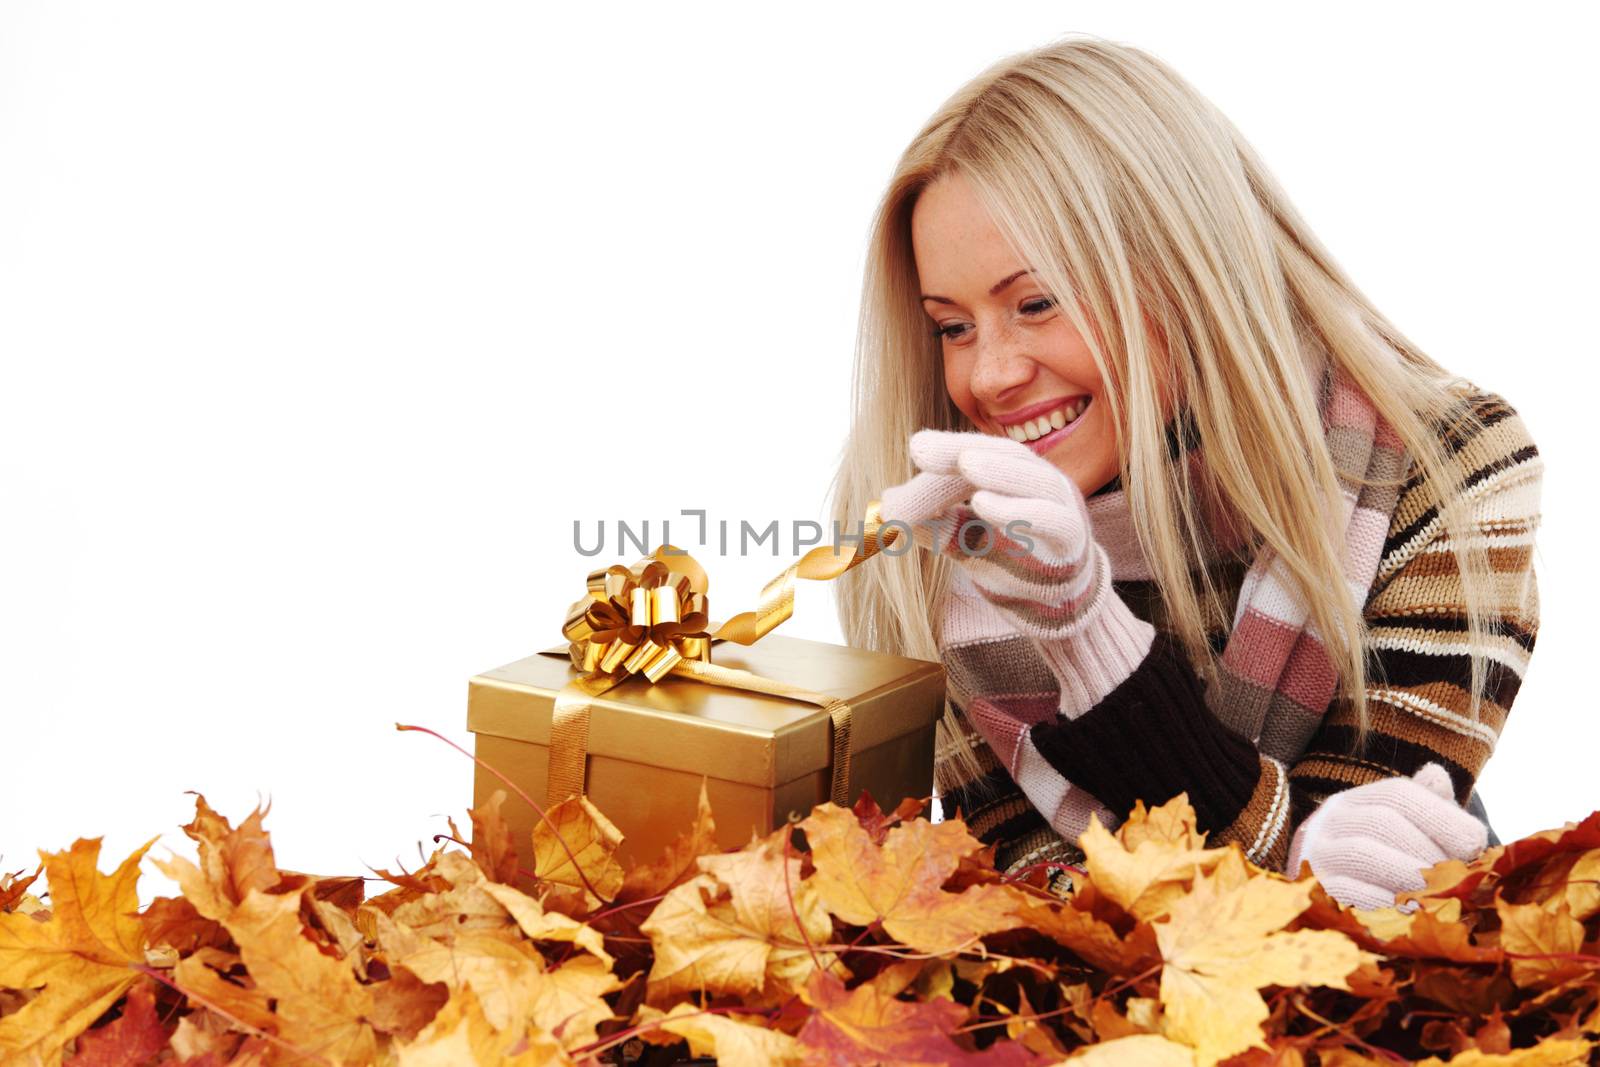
[651, 619]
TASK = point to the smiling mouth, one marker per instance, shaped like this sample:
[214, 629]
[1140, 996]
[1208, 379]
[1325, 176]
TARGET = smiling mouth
[1043, 426]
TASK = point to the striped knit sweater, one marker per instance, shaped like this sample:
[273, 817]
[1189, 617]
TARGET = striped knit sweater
[1152, 737]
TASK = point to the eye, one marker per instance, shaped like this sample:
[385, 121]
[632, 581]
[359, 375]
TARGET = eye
[958, 329]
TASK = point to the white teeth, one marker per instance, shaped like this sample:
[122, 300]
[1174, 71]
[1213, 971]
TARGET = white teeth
[1033, 429]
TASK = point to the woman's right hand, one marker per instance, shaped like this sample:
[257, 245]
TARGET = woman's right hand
[1003, 679]
[1010, 516]
[1039, 564]
[1014, 521]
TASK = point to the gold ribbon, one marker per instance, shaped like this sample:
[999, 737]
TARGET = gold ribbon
[651, 620]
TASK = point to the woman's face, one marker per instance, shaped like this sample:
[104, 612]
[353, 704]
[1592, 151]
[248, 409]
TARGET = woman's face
[1013, 363]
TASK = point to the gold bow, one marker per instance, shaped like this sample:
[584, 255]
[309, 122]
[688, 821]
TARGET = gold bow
[651, 620]
[641, 619]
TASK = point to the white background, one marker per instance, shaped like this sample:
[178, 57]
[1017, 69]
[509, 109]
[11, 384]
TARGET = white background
[322, 323]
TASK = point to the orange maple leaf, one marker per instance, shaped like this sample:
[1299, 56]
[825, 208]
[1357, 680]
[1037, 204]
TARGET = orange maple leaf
[1148, 864]
[320, 1007]
[493, 846]
[732, 929]
[133, 1037]
[84, 955]
[574, 856]
[1223, 941]
[868, 1024]
[1542, 940]
[898, 883]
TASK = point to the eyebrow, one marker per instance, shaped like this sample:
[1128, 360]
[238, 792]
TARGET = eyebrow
[994, 290]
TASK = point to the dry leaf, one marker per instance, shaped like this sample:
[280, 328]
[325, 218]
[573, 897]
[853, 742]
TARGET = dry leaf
[574, 855]
[132, 1038]
[880, 937]
[1223, 943]
[493, 848]
[1142, 1050]
[83, 955]
[734, 1041]
[1537, 931]
[866, 1025]
[1145, 867]
[319, 1004]
[898, 882]
[732, 930]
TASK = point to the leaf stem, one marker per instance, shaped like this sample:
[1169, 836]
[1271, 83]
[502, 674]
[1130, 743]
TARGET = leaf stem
[594, 1048]
[535, 805]
[1382, 1053]
[788, 892]
[167, 980]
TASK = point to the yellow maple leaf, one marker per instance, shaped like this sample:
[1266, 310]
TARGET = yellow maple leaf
[567, 999]
[1575, 876]
[762, 898]
[1541, 931]
[541, 925]
[235, 860]
[513, 985]
[1172, 823]
[201, 975]
[1223, 941]
[462, 1034]
[1551, 1052]
[1148, 864]
[83, 955]
[493, 846]
[574, 855]
[466, 903]
[733, 1041]
[700, 945]
[1093, 940]
[320, 1006]
[898, 883]
[231, 861]
[731, 929]
[476, 902]
[1136, 1050]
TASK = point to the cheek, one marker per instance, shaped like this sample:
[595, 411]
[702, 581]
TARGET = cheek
[958, 383]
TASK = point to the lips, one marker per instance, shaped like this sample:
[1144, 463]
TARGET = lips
[1048, 422]
[1057, 434]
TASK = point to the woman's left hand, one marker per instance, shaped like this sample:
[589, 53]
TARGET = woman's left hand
[1372, 842]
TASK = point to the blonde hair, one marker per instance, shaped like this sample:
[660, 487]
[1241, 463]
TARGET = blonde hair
[1127, 190]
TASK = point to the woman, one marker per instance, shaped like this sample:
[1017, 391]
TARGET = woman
[1196, 517]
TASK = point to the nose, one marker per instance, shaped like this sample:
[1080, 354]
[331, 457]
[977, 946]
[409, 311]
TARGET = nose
[1001, 366]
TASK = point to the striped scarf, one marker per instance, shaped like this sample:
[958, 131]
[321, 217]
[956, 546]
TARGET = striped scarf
[1276, 677]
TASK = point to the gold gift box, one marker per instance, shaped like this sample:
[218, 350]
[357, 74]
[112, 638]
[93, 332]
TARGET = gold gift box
[764, 757]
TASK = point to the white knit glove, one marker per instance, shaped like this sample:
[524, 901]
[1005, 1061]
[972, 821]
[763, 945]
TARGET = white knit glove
[1372, 842]
[1058, 591]
[1006, 483]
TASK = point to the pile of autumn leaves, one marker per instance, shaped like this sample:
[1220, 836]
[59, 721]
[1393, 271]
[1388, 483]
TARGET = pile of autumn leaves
[864, 937]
